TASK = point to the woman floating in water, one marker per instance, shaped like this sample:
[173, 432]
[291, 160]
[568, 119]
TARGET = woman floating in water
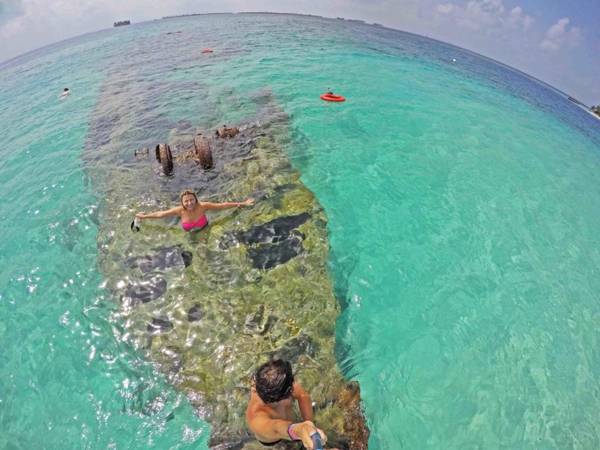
[192, 212]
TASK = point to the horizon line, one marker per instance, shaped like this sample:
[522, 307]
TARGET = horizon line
[360, 21]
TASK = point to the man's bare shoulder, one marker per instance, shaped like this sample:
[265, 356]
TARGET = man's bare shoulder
[256, 407]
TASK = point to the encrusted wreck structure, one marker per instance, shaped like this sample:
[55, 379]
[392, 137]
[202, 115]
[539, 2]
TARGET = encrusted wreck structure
[209, 307]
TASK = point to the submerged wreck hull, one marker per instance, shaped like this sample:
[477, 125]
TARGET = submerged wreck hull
[209, 307]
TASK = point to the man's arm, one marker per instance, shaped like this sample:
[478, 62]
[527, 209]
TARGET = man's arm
[272, 429]
[304, 402]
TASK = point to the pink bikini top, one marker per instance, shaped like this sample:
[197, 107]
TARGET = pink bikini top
[200, 223]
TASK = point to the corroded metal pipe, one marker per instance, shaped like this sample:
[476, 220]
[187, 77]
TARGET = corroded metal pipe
[203, 151]
[165, 158]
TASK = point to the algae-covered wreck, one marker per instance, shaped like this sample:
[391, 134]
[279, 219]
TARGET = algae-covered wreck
[208, 308]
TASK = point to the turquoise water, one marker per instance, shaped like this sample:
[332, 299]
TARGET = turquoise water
[463, 202]
[66, 379]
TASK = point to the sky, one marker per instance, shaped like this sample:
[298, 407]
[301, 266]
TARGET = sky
[557, 41]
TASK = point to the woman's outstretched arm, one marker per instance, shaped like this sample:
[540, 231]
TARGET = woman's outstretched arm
[160, 214]
[226, 205]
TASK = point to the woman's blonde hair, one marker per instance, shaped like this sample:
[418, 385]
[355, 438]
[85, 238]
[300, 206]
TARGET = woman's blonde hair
[187, 192]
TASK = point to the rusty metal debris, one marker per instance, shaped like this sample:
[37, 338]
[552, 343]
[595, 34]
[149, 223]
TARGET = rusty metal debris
[227, 132]
[165, 158]
[203, 151]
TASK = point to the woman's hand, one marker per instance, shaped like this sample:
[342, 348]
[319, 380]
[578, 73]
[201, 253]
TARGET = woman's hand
[247, 202]
[140, 216]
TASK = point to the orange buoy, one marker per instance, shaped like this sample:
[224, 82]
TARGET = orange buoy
[331, 97]
[207, 50]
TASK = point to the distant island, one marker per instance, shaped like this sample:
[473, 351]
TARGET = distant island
[241, 12]
[191, 15]
[121, 23]
[593, 109]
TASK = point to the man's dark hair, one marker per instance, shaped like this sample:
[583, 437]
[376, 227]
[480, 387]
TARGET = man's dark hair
[274, 381]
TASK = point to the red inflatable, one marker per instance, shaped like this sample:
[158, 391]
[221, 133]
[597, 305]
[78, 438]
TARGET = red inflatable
[207, 50]
[331, 97]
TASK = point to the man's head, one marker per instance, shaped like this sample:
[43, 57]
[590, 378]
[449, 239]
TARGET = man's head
[274, 381]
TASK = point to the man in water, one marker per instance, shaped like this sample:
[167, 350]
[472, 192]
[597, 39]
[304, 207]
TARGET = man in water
[269, 412]
[65, 93]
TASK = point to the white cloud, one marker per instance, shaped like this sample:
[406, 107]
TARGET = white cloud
[560, 34]
[490, 16]
[10, 9]
[445, 8]
[483, 13]
[517, 18]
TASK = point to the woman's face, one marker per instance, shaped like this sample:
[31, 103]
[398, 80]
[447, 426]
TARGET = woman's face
[188, 201]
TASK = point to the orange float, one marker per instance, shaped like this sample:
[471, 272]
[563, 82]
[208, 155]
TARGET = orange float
[331, 97]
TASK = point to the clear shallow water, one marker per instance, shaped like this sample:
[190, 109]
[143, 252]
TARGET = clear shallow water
[462, 199]
[66, 380]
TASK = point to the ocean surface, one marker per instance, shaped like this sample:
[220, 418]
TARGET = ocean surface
[463, 200]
